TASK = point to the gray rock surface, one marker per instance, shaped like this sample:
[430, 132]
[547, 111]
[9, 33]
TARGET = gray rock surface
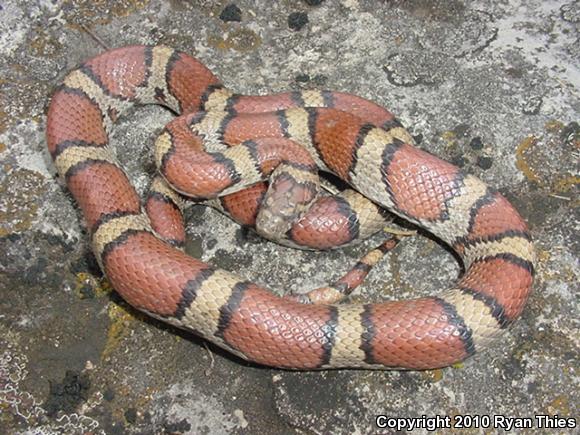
[491, 86]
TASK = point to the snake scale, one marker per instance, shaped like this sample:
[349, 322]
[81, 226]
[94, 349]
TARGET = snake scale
[287, 136]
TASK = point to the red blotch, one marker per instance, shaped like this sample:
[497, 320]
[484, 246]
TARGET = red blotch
[366, 110]
[496, 217]
[102, 188]
[277, 332]
[415, 334]
[504, 281]
[335, 136]
[73, 117]
[166, 219]
[323, 226]
[251, 126]
[188, 81]
[121, 70]
[263, 103]
[244, 205]
[149, 274]
[420, 182]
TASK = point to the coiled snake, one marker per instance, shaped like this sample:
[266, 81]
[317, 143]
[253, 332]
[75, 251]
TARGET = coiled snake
[287, 136]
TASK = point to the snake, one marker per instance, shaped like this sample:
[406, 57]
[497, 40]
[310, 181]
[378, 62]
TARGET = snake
[247, 139]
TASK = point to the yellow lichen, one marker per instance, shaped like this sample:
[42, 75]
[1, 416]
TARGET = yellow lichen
[450, 139]
[42, 44]
[84, 13]
[242, 40]
[565, 184]
[127, 7]
[560, 405]
[526, 347]
[82, 280]
[554, 126]
[535, 169]
[521, 161]
[542, 259]
[397, 282]
[124, 397]
[144, 399]
[3, 121]
[543, 256]
[566, 274]
[100, 287]
[118, 329]
[433, 375]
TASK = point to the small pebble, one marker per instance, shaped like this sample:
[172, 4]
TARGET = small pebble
[313, 2]
[109, 394]
[476, 143]
[459, 161]
[231, 13]
[319, 79]
[131, 415]
[297, 20]
[484, 162]
[303, 78]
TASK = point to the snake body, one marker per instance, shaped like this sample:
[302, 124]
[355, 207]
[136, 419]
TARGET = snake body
[356, 140]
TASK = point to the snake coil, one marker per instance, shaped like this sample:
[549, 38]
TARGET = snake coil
[356, 140]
